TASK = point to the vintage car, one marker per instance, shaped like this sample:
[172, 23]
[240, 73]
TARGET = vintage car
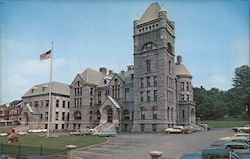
[88, 132]
[219, 153]
[245, 128]
[191, 156]
[37, 131]
[77, 132]
[105, 134]
[175, 129]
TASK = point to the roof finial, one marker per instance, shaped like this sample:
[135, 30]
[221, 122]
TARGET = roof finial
[163, 9]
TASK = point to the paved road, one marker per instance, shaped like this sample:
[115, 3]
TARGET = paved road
[138, 145]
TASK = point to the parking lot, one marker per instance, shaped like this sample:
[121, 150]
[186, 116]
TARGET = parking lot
[138, 145]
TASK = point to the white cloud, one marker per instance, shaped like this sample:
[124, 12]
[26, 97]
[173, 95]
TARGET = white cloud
[218, 81]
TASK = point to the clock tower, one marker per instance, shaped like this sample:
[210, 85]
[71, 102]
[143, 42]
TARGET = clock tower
[154, 71]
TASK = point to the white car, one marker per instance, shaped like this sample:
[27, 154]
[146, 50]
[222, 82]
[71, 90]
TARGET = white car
[245, 128]
[175, 129]
[38, 131]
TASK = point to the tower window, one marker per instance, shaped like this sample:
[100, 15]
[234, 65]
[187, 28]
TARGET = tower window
[149, 46]
[148, 66]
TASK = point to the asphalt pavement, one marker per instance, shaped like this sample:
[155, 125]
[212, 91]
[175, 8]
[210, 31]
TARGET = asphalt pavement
[138, 145]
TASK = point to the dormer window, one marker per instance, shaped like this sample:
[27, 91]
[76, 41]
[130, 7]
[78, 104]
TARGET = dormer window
[149, 46]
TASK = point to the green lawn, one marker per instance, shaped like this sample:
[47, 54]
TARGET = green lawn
[225, 123]
[31, 144]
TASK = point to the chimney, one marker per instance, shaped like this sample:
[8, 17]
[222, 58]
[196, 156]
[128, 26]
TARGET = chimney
[110, 72]
[130, 67]
[123, 75]
[179, 59]
[103, 70]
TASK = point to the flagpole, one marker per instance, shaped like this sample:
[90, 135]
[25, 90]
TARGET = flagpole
[50, 90]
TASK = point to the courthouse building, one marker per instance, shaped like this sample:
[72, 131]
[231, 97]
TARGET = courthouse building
[153, 94]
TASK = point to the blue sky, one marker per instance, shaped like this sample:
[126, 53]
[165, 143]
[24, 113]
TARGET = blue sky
[212, 37]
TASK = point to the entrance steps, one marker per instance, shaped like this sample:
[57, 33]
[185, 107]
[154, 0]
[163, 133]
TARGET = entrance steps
[105, 127]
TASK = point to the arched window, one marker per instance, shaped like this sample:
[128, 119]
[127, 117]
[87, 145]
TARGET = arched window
[77, 115]
[126, 114]
[149, 46]
[169, 48]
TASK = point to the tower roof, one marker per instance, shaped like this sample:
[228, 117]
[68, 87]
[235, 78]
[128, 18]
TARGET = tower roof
[151, 13]
[181, 70]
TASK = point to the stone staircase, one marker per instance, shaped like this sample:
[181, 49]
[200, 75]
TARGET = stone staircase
[22, 128]
[105, 127]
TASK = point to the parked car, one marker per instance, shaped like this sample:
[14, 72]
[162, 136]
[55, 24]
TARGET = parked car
[105, 134]
[175, 129]
[219, 153]
[77, 132]
[205, 126]
[191, 156]
[245, 128]
[88, 132]
[37, 131]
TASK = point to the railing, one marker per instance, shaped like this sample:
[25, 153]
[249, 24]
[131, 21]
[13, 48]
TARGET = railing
[18, 150]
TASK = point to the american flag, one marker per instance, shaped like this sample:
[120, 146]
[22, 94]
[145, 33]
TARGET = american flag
[45, 55]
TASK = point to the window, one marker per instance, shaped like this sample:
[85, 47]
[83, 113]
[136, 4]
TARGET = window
[148, 66]
[142, 127]
[56, 126]
[77, 115]
[154, 113]
[183, 113]
[187, 86]
[187, 97]
[148, 81]
[91, 102]
[132, 77]
[126, 92]
[148, 96]
[142, 114]
[141, 82]
[169, 48]
[126, 114]
[90, 115]
[57, 103]
[182, 86]
[155, 80]
[141, 96]
[63, 116]
[98, 114]
[67, 116]
[155, 95]
[91, 91]
[149, 46]
[182, 96]
[41, 116]
[172, 114]
[46, 115]
[62, 126]
[57, 116]
[68, 104]
[63, 104]
[41, 103]
[45, 126]
[154, 127]
[169, 66]
[36, 103]
[168, 111]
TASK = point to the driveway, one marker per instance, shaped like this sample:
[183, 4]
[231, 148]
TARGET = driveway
[138, 145]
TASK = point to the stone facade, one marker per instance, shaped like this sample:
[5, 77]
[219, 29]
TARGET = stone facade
[152, 95]
[35, 103]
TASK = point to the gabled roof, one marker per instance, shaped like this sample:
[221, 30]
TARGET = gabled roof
[151, 13]
[116, 104]
[92, 76]
[39, 89]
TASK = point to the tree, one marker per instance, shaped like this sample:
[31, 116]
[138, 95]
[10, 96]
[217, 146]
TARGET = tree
[241, 83]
